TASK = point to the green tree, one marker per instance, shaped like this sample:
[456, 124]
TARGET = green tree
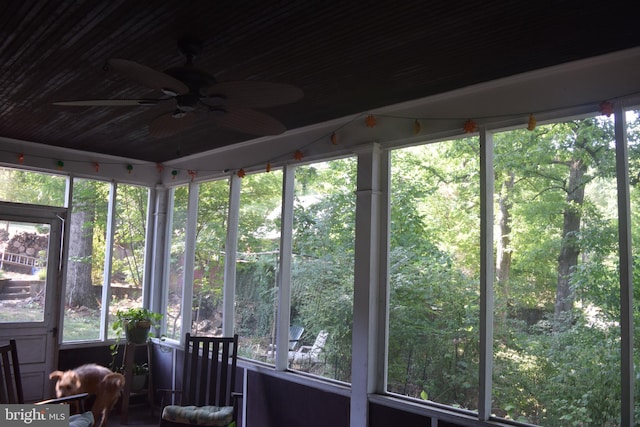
[323, 251]
[210, 249]
[434, 267]
[563, 233]
[86, 242]
[553, 161]
[258, 246]
[130, 233]
[21, 186]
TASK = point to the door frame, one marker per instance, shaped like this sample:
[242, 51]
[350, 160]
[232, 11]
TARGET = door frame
[32, 336]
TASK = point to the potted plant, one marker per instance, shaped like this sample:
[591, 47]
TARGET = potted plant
[136, 324]
[139, 376]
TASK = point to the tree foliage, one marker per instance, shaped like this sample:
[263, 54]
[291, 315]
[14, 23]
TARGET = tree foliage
[559, 197]
[557, 293]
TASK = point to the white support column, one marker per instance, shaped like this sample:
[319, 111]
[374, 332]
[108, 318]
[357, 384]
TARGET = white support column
[486, 274]
[284, 286]
[382, 327]
[231, 254]
[626, 270]
[189, 257]
[365, 299]
[166, 261]
[66, 231]
[148, 248]
[108, 261]
[159, 250]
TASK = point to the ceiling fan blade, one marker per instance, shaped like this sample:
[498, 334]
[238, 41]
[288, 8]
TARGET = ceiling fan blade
[249, 121]
[168, 125]
[149, 77]
[252, 94]
[107, 102]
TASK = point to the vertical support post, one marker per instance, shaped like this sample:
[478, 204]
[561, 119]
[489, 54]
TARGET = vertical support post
[231, 254]
[108, 261]
[159, 250]
[382, 327]
[626, 270]
[286, 250]
[365, 298]
[62, 279]
[486, 274]
[189, 257]
[149, 240]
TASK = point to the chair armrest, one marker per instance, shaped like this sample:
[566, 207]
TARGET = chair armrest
[64, 399]
[168, 390]
[77, 398]
[165, 392]
[235, 396]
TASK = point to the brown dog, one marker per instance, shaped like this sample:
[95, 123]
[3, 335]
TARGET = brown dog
[93, 379]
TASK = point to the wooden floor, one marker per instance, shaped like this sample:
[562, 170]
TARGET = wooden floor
[139, 416]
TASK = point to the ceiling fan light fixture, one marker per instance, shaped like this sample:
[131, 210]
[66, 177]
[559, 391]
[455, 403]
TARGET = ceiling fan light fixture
[187, 102]
[169, 92]
[186, 108]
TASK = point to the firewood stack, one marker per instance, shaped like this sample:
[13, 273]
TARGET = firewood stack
[29, 244]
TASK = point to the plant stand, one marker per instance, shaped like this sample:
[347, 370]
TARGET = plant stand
[128, 393]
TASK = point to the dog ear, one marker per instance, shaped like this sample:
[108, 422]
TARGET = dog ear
[55, 375]
[75, 378]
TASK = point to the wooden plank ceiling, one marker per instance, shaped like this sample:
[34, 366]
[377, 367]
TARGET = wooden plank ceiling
[347, 57]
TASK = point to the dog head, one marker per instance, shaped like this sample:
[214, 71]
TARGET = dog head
[67, 383]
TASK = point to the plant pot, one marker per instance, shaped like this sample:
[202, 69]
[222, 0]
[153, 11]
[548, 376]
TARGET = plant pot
[138, 381]
[138, 332]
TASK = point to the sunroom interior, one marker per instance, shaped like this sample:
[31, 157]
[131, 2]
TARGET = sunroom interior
[453, 247]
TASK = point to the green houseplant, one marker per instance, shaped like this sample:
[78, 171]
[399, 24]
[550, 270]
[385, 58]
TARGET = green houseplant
[136, 324]
[139, 376]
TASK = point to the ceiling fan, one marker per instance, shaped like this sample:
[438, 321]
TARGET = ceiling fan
[230, 104]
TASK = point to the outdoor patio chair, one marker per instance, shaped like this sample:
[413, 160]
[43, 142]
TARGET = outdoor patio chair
[295, 332]
[307, 355]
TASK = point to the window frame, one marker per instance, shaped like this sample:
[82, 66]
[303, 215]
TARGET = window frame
[103, 336]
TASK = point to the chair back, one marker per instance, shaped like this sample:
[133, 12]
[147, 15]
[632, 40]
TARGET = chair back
[209, 372]
[318, 345]
[295, 332]
[10, 380]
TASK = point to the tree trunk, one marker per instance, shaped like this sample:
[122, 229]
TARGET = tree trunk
[503, 251]
[79, 290]
[569, 251]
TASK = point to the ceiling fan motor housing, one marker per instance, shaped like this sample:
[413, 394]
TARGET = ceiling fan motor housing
[197, 80]
[187, 102]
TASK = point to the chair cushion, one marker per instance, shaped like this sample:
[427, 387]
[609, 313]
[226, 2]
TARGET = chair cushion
[199, 415]
[81, 420]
